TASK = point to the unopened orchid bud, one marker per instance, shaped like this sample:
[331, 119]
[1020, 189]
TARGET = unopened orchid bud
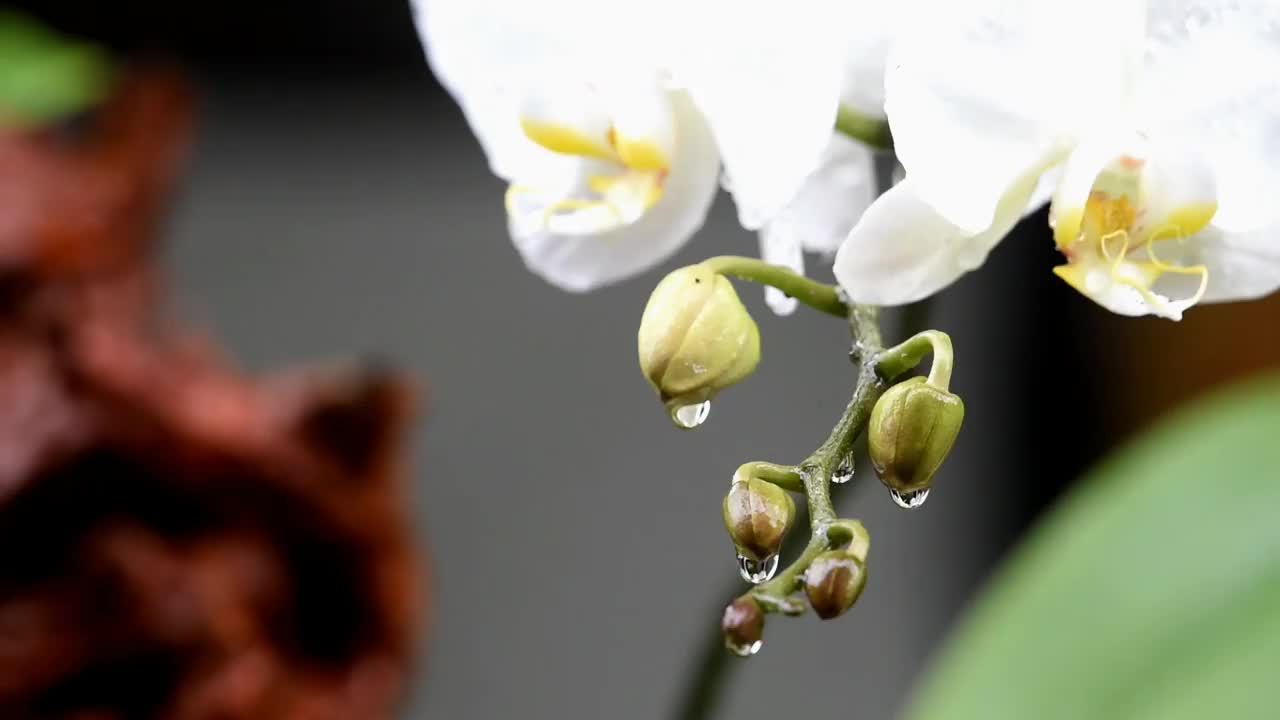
[758, 515]
[743, 627]
[912, 428]
[833, 582]
[696, 338]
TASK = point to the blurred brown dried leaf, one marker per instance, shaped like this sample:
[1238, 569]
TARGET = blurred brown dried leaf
[177, 540]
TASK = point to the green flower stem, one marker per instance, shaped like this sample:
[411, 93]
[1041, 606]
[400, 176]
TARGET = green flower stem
[786, 477]
[710, 670]
[816, 295]
[903, 357]
[775, 595]
[871, 131]
[849, 533]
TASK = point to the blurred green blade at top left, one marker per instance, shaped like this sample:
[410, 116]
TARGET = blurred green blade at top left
[45, 76]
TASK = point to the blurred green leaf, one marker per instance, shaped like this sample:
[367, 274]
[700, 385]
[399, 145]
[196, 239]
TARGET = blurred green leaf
[1152, 592]
[45, 76]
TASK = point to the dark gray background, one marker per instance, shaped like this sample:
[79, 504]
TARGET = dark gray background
[578, 552]
[337, 206]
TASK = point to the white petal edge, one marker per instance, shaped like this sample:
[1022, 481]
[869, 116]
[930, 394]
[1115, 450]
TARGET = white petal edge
[823, 212]
[583, 263]
[831, 200]
[475, 50]
[903, 250]
[784, 250]
[867, 50]
[491, 55]
[1210, 81]
[985, 89]
[768, 82]
[1045, 189]
[1242, 265]
[1176, 181]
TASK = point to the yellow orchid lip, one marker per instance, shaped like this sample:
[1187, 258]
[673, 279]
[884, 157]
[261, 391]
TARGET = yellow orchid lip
[634, 152]
[639, 153]
[613, 202]
[566, 140]
[1103, 242]
[610, 199]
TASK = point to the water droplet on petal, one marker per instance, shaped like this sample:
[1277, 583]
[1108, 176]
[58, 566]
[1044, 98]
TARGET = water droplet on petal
[911, 499]
[746, 650]
[691, 416]
[844, 471]
[757, 572]
[1197, 19]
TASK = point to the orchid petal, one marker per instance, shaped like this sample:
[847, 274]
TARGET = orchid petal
[832, 199]
[903, 250]
[1211, 82]
[581, 261]
[769, 86]
[985, 90]
[1240, 265]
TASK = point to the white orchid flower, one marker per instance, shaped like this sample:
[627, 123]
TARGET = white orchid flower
[612, 122]
[1163, 116]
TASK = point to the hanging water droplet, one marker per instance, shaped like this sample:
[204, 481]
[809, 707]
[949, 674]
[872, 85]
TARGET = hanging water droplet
[757, 572]
[746, 650]
[844, 471]
[911, 499]
[691, 416]
[1197, 19]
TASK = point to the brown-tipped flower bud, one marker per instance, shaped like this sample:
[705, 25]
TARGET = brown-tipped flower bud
[833, 582]
[696, 338]
[912, 428]
[758, 515]
[743, 627]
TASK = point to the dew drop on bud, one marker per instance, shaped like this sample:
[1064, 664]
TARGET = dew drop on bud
[691, 416]
[911, 499]
[757, 572]
[844, 471]
[746, 650]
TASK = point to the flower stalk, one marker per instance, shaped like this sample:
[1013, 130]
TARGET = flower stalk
[816, 295]
[878, 368]
[827, 531]
[870, 131]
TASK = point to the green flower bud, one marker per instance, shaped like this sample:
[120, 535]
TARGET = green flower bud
[743, 627]
[696, 338]
[758, 515]
[912, 428]
[833, 582]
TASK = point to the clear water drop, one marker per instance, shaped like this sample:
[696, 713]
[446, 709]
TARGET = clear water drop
[911, 499]
[691, 416]
[746, 650]
[843, 472]
[757, 572]
[1197, 19]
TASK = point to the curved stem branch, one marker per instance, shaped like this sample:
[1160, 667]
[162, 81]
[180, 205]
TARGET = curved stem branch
[786, 477]
[707, 677]
[816, 470]
[871, 131]
[816, 295]
[908, 354]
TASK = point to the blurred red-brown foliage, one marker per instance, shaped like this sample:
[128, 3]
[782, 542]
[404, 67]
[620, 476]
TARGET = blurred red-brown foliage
[177, 540]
